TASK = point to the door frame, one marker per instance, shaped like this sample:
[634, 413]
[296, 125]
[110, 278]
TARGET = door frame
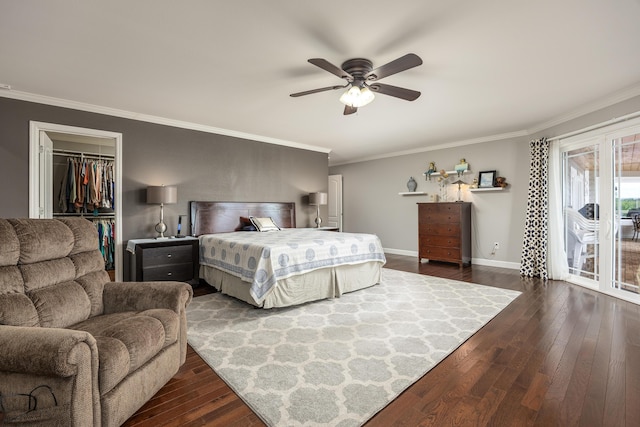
[35, 128]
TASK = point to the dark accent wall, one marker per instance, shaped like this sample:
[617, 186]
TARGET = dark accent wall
[204, 166]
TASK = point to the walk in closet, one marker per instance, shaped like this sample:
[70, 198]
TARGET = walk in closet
[84, 185]
[76, 172]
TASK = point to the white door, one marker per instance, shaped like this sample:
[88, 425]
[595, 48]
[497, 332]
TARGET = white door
[334, 203]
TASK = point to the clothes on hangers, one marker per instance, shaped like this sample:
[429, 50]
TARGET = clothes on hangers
[106, 241]
[87, 186]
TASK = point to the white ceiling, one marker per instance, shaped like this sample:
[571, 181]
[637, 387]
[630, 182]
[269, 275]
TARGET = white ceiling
[491, 67]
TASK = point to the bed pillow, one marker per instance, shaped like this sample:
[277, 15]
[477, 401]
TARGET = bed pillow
[245, 225]
[264, 224]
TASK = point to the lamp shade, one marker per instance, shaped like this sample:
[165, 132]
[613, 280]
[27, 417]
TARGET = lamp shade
[162, 194]
[318, 199]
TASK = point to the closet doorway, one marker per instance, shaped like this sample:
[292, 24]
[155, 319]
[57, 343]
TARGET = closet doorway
[58, 155]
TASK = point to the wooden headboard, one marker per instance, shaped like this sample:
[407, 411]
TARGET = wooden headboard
[223, 217]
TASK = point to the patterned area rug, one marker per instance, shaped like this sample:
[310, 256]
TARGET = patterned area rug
[338, 362]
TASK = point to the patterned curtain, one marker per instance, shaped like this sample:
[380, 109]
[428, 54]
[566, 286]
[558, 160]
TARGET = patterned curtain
[534, 248]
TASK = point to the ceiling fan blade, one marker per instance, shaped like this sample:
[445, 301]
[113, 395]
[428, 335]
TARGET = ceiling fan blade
[349, 110]
[322, 89]
[410, 60]
[398, 92]
[328, 66]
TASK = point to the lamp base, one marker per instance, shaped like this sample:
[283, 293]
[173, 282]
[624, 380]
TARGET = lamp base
[318, 222]
[161, 227]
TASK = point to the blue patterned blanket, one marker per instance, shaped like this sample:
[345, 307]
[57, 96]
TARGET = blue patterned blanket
[263, 258]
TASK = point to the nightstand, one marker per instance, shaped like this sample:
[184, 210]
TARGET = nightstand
[165, 259]
[327, 228]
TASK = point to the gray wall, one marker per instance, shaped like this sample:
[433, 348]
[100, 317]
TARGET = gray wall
[372, 203]
[204, 166]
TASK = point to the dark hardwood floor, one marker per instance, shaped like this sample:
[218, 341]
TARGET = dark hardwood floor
[559, 355]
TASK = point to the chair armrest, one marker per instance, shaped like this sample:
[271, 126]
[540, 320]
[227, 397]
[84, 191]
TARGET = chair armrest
[139, 296]
[43, 351]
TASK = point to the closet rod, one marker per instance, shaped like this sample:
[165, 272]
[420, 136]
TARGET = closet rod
[57, 152]
[87, 215]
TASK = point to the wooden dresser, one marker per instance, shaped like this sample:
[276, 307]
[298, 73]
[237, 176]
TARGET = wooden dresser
[444, 232]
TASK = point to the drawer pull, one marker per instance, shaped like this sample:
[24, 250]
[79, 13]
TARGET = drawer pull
[168, 255]
[169, 274]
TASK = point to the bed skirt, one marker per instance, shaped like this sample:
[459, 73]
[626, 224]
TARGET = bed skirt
[315, 285]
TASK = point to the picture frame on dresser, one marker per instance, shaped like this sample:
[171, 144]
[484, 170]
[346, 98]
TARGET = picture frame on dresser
[486, 179]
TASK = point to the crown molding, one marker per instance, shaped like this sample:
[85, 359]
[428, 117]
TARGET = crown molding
[74, 105]
[605, 102]
[451, 144]
[608, 101]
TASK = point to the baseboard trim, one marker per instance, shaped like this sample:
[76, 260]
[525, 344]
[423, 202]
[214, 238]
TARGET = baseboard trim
[494, 263]
[400, 252]
[476, 261]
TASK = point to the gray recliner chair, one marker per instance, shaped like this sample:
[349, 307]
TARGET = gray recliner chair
[76, 348]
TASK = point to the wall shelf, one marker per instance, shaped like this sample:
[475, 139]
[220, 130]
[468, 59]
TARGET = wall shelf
[413, 193]
[474, 190]
[453, 172]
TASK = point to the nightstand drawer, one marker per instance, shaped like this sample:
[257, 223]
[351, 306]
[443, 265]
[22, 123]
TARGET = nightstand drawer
[166, 255]
[161, 260]
[178, 272]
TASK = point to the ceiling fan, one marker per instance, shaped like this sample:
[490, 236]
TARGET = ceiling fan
[362, 80]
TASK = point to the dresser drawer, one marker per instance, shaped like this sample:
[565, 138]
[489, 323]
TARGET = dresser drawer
[440, 217]
[440, 254]
[440, 230]
[452, 241]
[166, 255]
[178, 272]
[440, 208]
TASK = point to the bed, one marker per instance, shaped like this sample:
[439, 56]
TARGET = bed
[280, 268]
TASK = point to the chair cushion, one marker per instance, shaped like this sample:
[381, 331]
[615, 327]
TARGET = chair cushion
[128, 340]
[17, 310]
[10, 248]
[42, 239]
[61, 305]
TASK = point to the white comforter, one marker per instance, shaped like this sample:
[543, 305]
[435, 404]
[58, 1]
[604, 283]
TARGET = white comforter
[263, 258]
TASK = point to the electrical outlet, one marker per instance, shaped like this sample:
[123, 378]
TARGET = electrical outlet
[496, 246]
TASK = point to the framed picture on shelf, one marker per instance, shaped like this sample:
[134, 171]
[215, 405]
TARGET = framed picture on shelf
[486, 179]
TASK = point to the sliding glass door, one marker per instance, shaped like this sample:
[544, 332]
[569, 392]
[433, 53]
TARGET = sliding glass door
[601, 209]
[581, 202]
[626, 245]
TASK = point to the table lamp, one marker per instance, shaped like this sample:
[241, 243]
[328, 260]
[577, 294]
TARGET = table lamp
[318, 199]
[161, 195]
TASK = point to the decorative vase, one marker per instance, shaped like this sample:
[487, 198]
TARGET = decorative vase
[412, 184]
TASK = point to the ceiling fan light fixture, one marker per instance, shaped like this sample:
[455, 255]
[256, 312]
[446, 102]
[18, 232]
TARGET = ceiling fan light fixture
[357, 97]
